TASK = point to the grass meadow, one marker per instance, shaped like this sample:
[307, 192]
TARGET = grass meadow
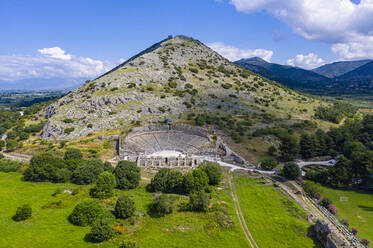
[273, 219]
[356, 207]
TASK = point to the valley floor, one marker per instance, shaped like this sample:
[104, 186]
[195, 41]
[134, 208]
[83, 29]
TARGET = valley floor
[271, 217]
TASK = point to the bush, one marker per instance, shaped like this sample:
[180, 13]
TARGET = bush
[365, 242]
[128, 244]
[199, 202]
[354, 230]
[72, 153]
[105, 184]
[272, 150]
[325, 202]
[268, 163]
[9, 166]
[167, 181]
[86, 213]
[214, 173]
[23, 213]
[332, 209]
[162, 205]
[87, 172]
[345, 222]
[127, 175]
[125, 207]
[101, 231]
[291, 171]
[312, 188]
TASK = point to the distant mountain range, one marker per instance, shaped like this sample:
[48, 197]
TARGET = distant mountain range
[346, 76]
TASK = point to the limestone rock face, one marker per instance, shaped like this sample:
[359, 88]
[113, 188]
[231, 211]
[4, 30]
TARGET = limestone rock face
[170, 79]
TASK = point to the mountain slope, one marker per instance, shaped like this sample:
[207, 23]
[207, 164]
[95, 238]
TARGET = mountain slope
[339, 68]
[360, 78]
[287, 75]
[177, 78]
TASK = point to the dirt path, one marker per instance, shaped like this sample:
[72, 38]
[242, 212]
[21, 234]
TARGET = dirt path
[18, 157]
[240, 215]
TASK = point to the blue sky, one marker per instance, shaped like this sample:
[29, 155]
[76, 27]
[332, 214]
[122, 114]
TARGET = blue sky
[81, 38]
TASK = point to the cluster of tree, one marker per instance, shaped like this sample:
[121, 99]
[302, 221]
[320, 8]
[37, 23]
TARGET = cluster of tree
[336, 112]
[353, 141]
[92, 213]
[46, 167]
[173, 181]
[9, 165]
[23, 213]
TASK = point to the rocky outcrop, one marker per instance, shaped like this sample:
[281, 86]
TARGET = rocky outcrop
[329, 236]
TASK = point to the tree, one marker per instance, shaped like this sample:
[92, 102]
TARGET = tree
[11, 145]
[199, 202]
[167, 181]
[86, 213]
[45, 167]
[73, 153]
[127, 174]
[272, 151]
[307, 146]
[268, 163]
[105, 184]
[289, 147]
[214, 173]
[101, 231]
[23, 213]
[108, 167]
[195, 181]
[340, 174]
[162, 205]
[125, 207]
[291, 171]
[87, 172]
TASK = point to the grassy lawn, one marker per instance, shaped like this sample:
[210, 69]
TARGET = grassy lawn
[49, 226]
[357, 207]
[272, 218]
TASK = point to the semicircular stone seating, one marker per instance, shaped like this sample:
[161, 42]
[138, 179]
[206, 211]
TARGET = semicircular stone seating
[187, 140]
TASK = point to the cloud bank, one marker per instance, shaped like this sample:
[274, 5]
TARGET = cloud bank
[347, 26]
[51, 62]
[233, 53]
[309, 61]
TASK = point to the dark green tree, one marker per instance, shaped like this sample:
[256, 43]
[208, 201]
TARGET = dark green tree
[72, 153]
[105, 184]
[86, 213]
[125, 207]
[127, 174]
[88, 171]
[291, 171]
[199, 202]
[289, 147]
[268, 163]
[214, 173]
[101, 231]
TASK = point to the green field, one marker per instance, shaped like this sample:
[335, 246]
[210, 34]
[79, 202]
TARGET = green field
[272, 218]
[49, 227]
[357, 207]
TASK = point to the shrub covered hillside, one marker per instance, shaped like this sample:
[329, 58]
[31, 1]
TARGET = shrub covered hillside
[181, 79]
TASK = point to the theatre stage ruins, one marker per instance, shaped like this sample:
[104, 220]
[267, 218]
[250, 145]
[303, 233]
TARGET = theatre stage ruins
[172, 146]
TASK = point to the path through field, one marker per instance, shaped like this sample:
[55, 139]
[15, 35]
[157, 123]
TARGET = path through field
[239, 214]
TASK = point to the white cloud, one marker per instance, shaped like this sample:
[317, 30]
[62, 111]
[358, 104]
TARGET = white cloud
[233, 53]
[55, 52]
[52, 62]
[309, 61]
[342, 23]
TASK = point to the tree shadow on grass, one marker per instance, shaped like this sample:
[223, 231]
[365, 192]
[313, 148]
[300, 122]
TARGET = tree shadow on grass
[366, 208]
